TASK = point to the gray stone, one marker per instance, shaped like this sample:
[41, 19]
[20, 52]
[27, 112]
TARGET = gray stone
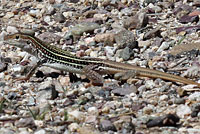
[124, 91]
[59, 17]
[106, 125]
[179, 101]
[46, 91]
[126, 53]
[79, 29]
[125, 38]
[25, 122]
[137, 21]
[2, 84]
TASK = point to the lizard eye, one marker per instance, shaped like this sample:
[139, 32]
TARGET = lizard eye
[17, 37]
[28, 42]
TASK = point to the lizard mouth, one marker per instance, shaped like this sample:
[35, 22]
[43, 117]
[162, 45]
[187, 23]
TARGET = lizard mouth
[15, 43]
[23, 45]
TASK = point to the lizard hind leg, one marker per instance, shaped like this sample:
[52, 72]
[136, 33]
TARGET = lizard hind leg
[93, 76]
[126, 75]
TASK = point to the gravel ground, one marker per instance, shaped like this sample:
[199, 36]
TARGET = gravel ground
[161, 35]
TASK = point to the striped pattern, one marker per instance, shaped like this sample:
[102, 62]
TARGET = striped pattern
[54, 54]
[64, 60]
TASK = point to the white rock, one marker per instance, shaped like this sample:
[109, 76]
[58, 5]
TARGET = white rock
[45, 85]
[89, 40]
[40, 6]
[47, 19]
[9, 15]
[42, 131]
[193, 131]
[126, 11]
[22, 54]
[58, 1]
[2, 75]
[149, 84]
[33, 59]
[164, 34]
[100, 16]
[83, 89]
[18, 5]
[114, 12]
[34, 12]
[2, 14]
[23, 131]
[91, 119]
[124, 1]
[157, 9]
[164, 46]
[109, 51]
[39, 123]
[195, 96]
[29, 18]
[183, 110]
[105, 109]
[76, 115]
[2, 35]
[68, 14]
[93, 54]
[1, 42]
[144, 43]
[6, 130]
[18, 68]
[11, 29]
[93, 110]
[66, 132]
[73, 127]
[163, 98]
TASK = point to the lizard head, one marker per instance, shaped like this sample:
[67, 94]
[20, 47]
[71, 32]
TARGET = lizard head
[20, 40]
[17, 39]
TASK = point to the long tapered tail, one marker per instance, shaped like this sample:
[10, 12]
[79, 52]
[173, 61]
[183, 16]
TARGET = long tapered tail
[166, 76]
[144, 72]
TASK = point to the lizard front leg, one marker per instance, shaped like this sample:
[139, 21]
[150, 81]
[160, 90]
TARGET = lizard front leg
[93, 75]
[32, 71]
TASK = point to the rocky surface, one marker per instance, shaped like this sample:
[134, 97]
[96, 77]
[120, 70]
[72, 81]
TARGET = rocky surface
[162, 35]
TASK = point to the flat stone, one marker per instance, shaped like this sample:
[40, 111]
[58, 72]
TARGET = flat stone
[124, 91]
[9, 15]
[166, 120]
[26, 122]
[106, 125]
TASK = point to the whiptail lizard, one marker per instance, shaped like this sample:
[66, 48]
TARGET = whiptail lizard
[93, 68]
